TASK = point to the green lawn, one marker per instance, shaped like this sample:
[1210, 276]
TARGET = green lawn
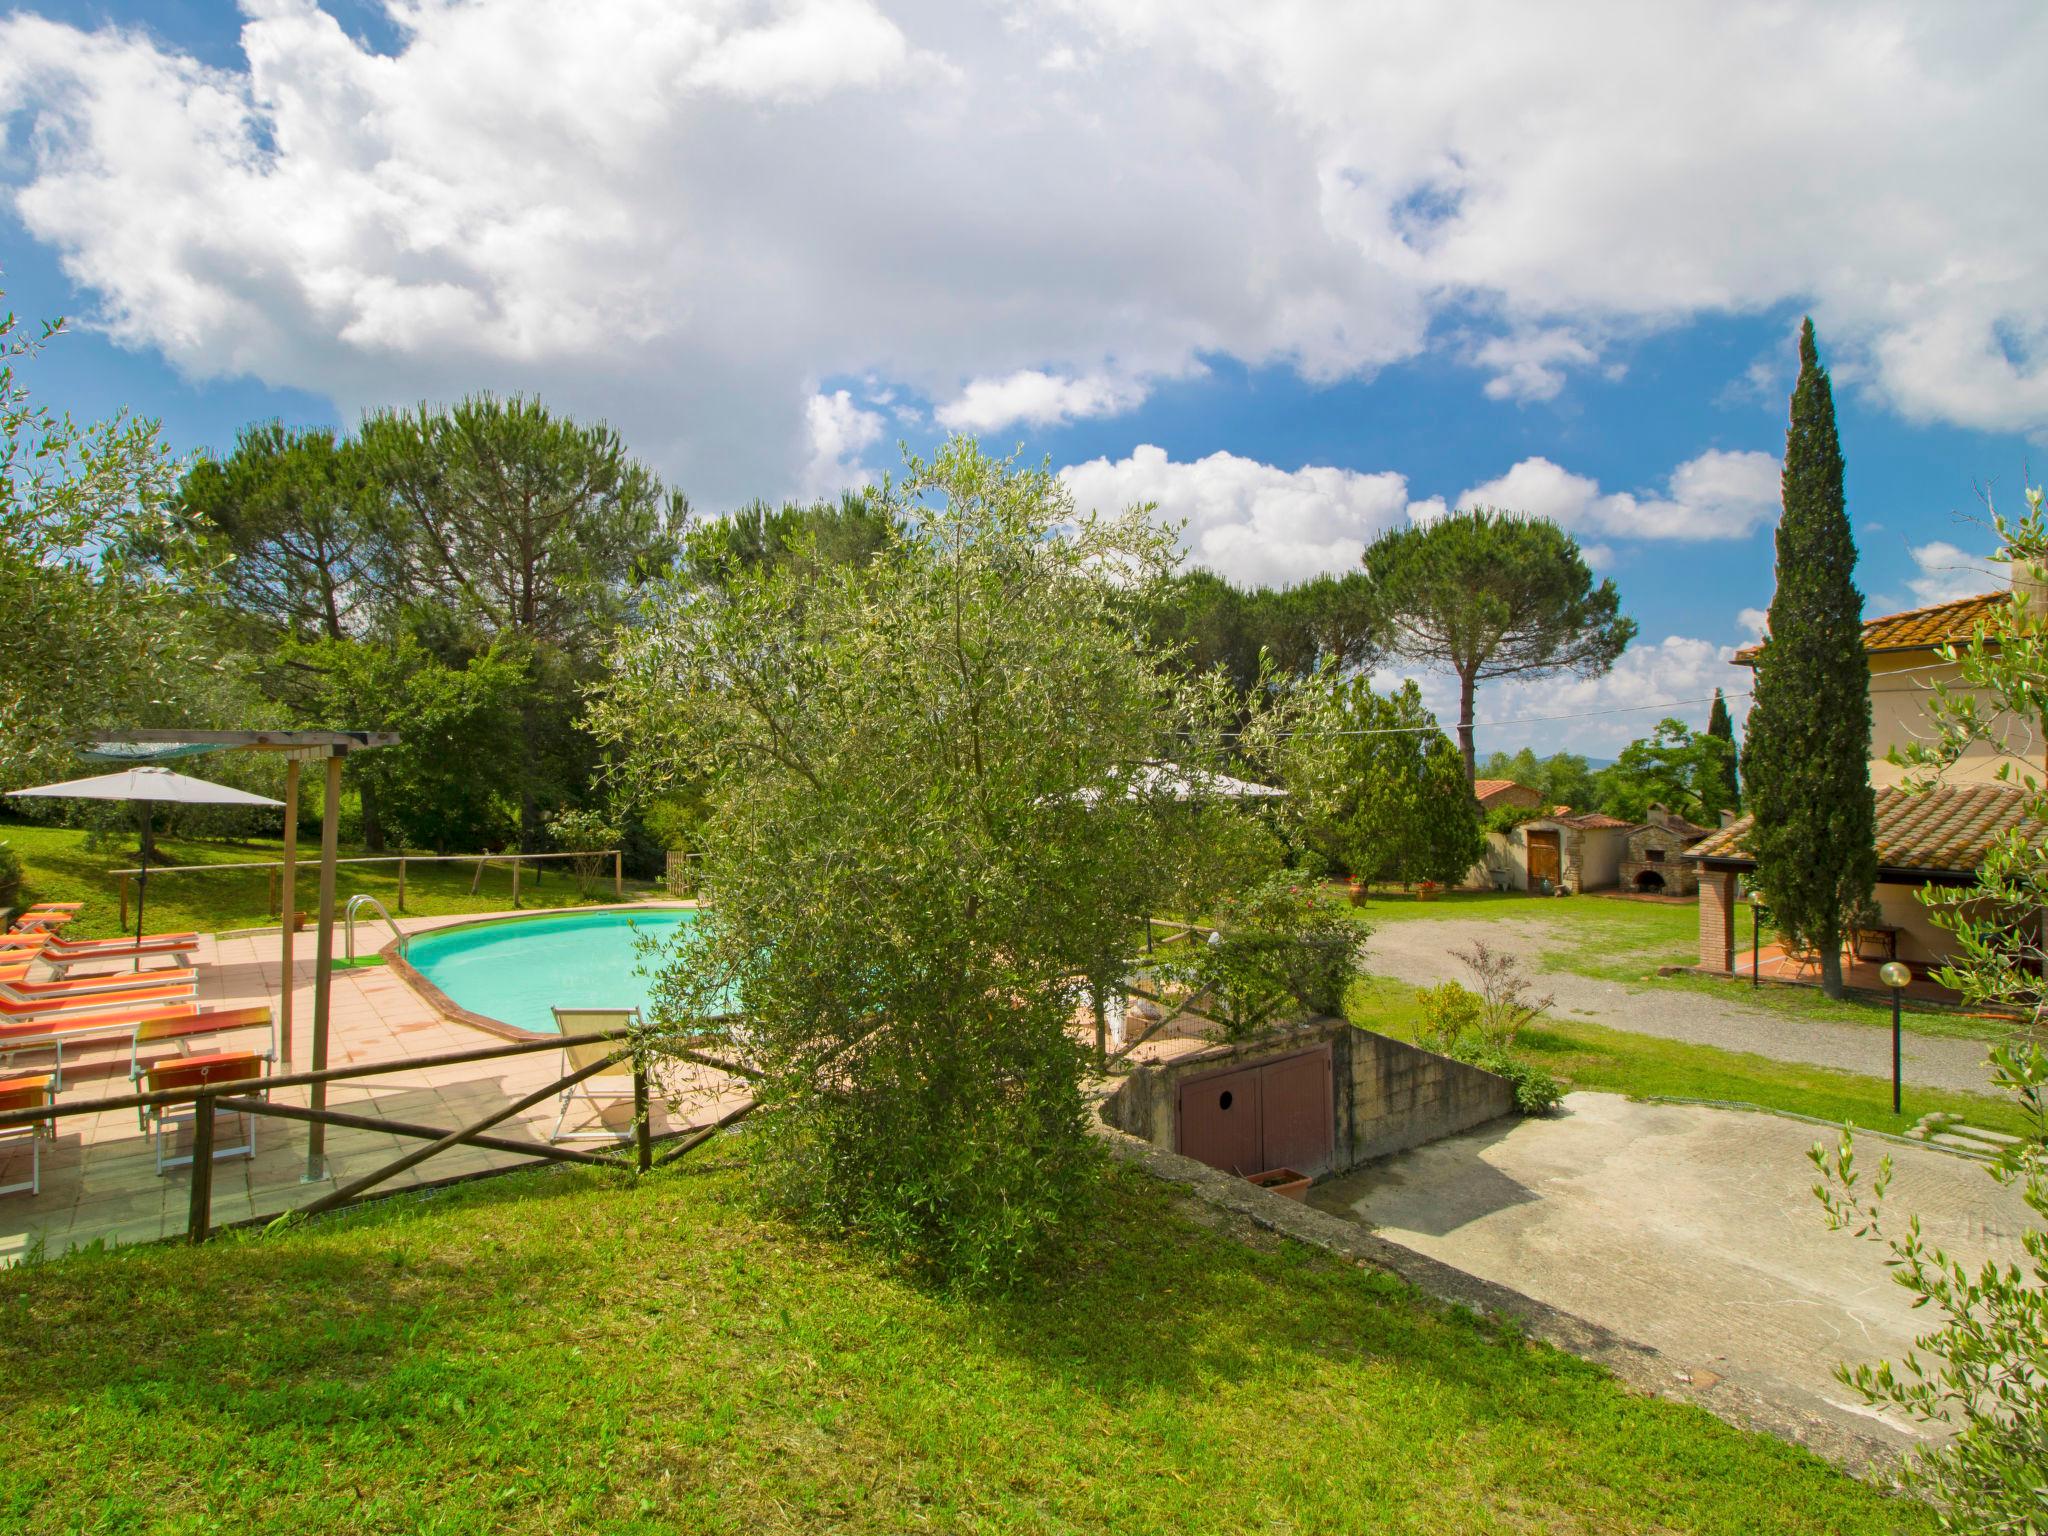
[59, 867]
[568, 1352]
[1617, 1061]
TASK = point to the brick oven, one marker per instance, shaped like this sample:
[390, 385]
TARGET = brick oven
[1651, 862]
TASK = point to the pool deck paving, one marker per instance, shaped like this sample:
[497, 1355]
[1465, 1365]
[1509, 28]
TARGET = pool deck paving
[99, 1177]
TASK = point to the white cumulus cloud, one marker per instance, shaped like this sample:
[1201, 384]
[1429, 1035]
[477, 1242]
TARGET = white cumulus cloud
[1718, 495]
[1947, 572]
[1039, 399]
[1255, 523]
[676, 213]
[840, 431]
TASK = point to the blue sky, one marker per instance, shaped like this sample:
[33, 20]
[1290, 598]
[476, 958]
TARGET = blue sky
[1279, 277]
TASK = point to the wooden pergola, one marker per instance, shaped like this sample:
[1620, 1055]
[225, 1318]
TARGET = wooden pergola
[297, 748]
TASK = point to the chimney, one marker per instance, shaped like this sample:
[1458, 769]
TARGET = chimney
[1659, 816]
[1729, 818]
[2031, 582]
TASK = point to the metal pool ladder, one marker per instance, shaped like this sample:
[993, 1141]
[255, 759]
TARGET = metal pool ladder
[356, 904]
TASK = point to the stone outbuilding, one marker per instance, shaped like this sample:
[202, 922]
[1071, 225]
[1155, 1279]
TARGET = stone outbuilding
[1652, 863]
[1570, 853]
[1495, 793]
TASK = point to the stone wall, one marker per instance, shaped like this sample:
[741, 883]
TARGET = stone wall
[1387, 1096]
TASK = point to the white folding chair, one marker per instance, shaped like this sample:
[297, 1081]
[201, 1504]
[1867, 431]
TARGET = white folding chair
[602, 1089]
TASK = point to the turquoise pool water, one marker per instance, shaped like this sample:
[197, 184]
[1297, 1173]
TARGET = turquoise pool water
[516, 970]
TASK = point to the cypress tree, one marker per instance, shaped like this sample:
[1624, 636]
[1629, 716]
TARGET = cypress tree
[1806, 758]
[1723, 792]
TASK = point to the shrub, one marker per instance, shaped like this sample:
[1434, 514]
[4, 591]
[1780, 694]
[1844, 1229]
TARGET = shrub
[1450, 1013]
[10, 874]
[1481, 1028]
[1278, 946]
[1537, 1092]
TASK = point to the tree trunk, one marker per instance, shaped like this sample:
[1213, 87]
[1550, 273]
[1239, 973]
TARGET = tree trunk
[529, 808]
[373, 829]
[1467, 686]
[1831, 967]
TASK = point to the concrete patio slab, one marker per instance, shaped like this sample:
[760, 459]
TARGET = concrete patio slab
[1691, 1230]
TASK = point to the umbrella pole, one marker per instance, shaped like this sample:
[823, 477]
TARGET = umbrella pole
[142, 887]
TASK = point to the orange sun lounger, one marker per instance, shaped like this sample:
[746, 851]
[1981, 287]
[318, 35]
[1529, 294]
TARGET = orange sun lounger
[56, 1033]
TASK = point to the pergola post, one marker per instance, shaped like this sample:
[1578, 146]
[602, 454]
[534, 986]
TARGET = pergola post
[287, 983]
[323, 974]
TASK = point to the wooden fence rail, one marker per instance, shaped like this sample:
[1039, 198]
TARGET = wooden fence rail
[482, 861]
[236, 1097]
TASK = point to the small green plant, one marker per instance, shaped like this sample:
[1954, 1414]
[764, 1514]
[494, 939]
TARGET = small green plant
[1983, 1371]
[10, 874]
[1481, 1028]
[586, 834]
[1450, 1013]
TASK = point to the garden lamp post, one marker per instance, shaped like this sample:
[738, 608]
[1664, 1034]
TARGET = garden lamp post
[1756, 948]
[1894, 974]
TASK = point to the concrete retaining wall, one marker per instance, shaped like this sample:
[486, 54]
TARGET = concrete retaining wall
[1387, 1096]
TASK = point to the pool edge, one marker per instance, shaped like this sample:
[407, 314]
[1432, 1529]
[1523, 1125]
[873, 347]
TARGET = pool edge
[449, 1009]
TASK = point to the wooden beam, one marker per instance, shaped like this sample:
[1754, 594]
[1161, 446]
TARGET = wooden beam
[323, 974]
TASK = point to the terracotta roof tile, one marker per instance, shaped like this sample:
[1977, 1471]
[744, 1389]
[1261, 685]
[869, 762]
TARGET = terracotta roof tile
[1947, 828]
[1596, 821]
[1484, 790]
[1917, 629]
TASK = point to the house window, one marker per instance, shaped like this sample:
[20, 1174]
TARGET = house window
[1653, 855]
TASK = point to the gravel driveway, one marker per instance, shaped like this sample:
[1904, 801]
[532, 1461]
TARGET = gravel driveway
[1419, 951]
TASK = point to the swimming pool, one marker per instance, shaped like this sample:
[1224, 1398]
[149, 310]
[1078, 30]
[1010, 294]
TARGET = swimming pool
[514, 970]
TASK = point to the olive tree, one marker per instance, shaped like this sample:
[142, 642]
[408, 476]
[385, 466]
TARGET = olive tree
[96, 576]
[1981, 1369]
[927, 838]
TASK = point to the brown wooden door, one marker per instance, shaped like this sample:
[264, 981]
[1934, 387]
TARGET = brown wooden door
[1544, 863]
[1246, 1120]
[1294, 1112]
[1219, 1121]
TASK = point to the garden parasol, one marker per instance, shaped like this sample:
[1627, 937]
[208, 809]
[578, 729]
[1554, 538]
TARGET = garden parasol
[147, 786]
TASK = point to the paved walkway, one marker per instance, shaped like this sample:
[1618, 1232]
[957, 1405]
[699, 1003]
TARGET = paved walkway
[1691, 1230]
[1420, 951]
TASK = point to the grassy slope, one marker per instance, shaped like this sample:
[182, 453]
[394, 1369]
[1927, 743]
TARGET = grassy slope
[59, 867]
[563, 1352]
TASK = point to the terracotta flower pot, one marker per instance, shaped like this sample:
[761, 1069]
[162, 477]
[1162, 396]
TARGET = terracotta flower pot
[1282, 1181]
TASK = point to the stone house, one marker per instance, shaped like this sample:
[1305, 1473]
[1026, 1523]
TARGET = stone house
[1494, 793]
[1652, 859]
[1932, 839]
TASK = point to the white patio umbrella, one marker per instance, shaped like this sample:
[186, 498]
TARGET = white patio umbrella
[1168, 782]
[146, 786]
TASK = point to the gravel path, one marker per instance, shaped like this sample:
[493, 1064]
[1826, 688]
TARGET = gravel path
[1420, 952]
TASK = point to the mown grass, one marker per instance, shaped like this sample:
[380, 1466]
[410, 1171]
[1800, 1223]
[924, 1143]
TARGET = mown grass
[59, 867]
[1593, 1056]
[565, 1352]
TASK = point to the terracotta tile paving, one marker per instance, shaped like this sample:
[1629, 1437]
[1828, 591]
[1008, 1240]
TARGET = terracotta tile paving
[99, 1178]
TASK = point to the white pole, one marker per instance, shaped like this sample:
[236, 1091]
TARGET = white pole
[288, 982]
